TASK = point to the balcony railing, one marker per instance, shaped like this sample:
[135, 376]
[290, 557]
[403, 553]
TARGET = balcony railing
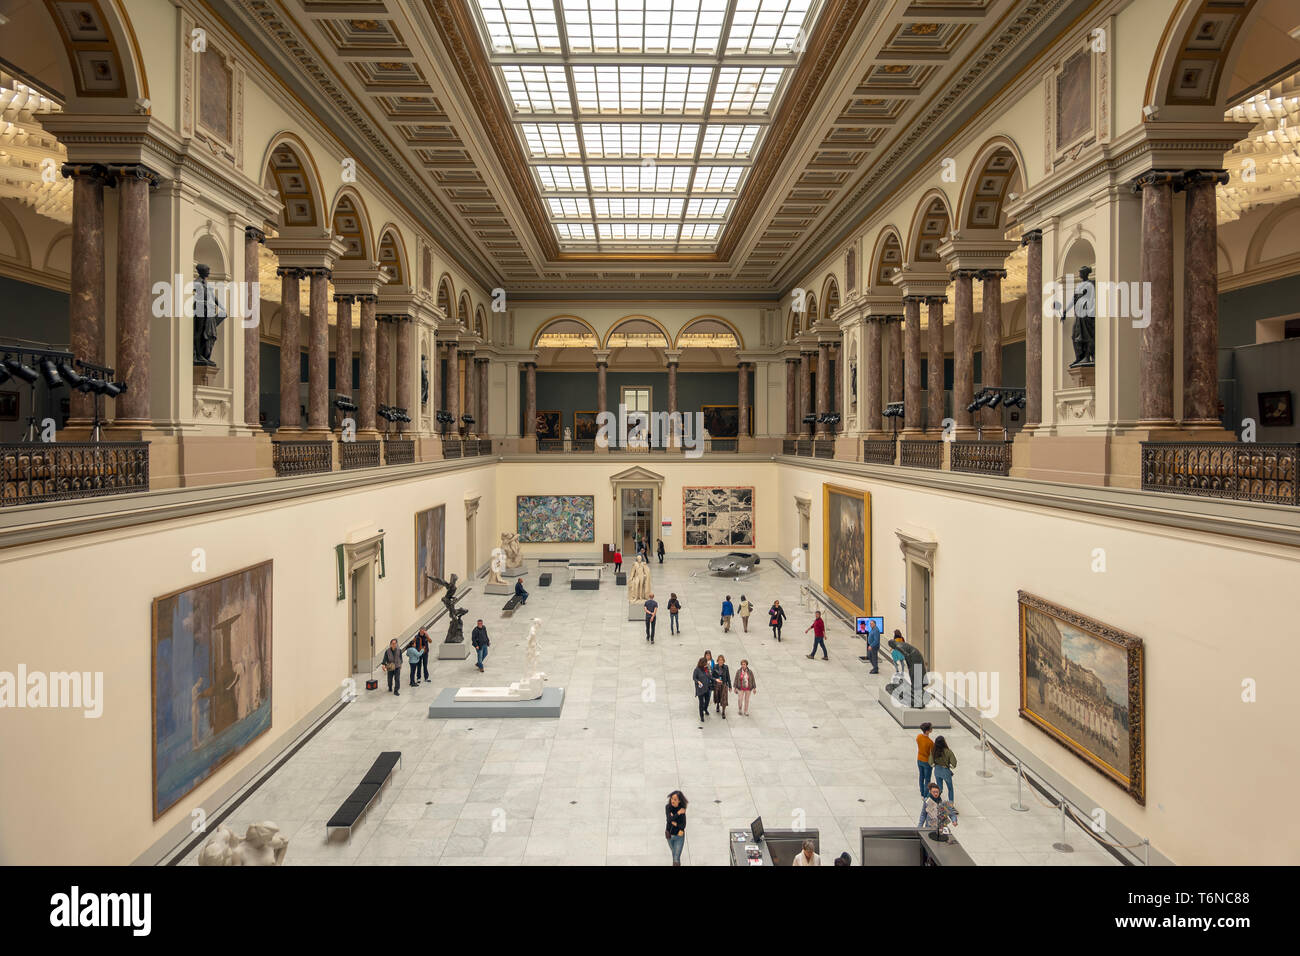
[724, 444]
[789, 446]
[1243, 471]
[823, 447]
[981, 457]
[399, 451]
[485, 446]
[584, 444]
[550, 444]
[302, 457]
[32, 472]
[923, 453]
[803, 447]
[878, 451]
[358, 454]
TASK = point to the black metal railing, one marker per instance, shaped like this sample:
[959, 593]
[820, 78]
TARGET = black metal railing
[359, 454]
[302, 457]
[451, 448]
[878, 451]
[485, 446]
[823, 447]
[32, 472]
[789, 446]
[550, 444]
[922, 453]
[1242, 471]
[399, 451]
[981, 457]
[584, 444]
[724, 444]
[803, 447]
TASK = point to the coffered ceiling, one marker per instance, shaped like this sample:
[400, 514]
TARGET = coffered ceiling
[644, 147]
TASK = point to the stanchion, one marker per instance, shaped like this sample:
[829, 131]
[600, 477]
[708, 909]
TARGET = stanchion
[983, 771]
[1019, 805]
[1062, 847]
[1146, 852]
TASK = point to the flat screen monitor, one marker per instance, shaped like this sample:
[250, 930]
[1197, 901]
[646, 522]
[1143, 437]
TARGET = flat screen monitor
[867, 624]
[756, 828]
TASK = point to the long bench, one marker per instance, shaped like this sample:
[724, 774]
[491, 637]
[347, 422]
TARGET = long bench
[356, 805]
[508, 609]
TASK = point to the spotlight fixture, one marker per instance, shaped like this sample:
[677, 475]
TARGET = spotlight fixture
[467, 419]
[994, 400]
[345, 404]
[50, 373]
[4, 374]
[18, 370]
[71, 377]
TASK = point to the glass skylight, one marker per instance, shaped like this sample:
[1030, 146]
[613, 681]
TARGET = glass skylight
[640, 118]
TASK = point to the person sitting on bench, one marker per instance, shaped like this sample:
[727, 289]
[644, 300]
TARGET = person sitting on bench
[520, 592]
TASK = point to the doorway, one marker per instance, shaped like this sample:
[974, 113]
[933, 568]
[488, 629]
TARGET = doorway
[636, 519]
[363, 617]
[918, 610]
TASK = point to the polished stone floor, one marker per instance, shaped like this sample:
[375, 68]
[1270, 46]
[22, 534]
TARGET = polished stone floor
[589, 788]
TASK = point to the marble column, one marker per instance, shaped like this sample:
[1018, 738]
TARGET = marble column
[912, 363]
[253, 238]
[452, 386]
[895, 333]
[290, 349]
[369, 360]
[1200, 299]
[318, 352]
[672, 387]
[471, 392]
[934, 380]
[873, 386]
[383, 362]
[86, 298]
[530, 399]
[805, 387]
[963, 347]
[837, 404]
[1156, 353]
[343, 349]
[602, 388]
[484, 379]
[823, 385]
[991, 339]
[134, 302]
[1033, 240]
[792, 397]
[742, 399]
[403, 331]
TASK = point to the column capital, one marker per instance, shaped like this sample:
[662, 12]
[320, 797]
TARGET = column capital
[672, 356]
[293, 272]
[252, 232]
[986, 274]
[1033, 235]
[394, 317]
[601, 356]
[366, 297]
[938, 299]
[1191, 177]
[345, 298]
[1157, 177]
[134, 171]
[913, 300]
[317, 272]
[966, 273]
[96, 172]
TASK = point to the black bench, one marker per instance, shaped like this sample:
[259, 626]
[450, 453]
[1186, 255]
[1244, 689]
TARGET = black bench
[508, 608]
[544, 579]
[359, 801]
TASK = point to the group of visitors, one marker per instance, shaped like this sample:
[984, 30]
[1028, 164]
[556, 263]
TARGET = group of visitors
[417, 655]
[713, 681]
[937, 758]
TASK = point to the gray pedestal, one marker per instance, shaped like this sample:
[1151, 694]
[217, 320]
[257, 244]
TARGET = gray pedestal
[453, 652]
[518, 572]
[490, 588]
[445, 705]
[910, 717]
[636, 612]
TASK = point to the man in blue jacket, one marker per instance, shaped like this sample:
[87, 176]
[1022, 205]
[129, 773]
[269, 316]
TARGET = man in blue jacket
[873, 646]
[520, 592]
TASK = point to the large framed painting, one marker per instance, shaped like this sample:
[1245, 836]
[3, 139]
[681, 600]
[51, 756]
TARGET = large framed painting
[1081, 682]
[714, 517]
[211, 662]
[550, 424]
[846, 548]
[430, 551]
[546, 519]
[723, 421]
[584, 425]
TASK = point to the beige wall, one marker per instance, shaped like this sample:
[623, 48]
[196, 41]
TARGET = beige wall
[1212, 612]
[85, 790]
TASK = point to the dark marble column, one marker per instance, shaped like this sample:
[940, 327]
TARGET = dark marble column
[805, 387]
[453, 385]
[253, 239]
[792, 396]
[823, 385]
[134, 302]
[484, 379]
[894, 331]
[290, 349]
[86, 298]
[1200, 299]
[530, 399]
[873, 386]
[912, 363]
[672, 386]
[343, 349]
[471, 391]
[318, 352]
[369, 361]
[991, 339]
[602, 388]
[1156, 353]
[934, 380]
[1033, 239]
[742, 399]
[402, 329]
[963, 347]
[383, 360]
[837, 402]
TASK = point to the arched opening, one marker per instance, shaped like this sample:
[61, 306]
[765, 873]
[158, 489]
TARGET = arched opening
[350, 222]
[446, 296]
[392, 258]
[887, 258]
[930, 225]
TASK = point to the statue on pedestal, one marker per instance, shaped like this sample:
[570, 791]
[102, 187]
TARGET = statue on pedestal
[529, 688]
[208, 315]
[638, 581]
[262, 845]
[510, 545]
[455, 630]
[1084, 334]
[914, 668]
[497, 565]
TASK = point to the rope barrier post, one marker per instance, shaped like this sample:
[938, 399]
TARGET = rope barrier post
[983, 771]
[1019, 805]
[1146, 852]
[1062, 847]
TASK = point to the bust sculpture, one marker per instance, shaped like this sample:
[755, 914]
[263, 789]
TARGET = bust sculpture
[638, 580]
[208, 315]
[262, 845]
[455, 630]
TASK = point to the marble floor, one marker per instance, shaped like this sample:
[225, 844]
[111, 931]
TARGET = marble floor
[589, 787]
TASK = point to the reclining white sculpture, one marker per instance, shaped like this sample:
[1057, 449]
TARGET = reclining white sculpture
[530, 688]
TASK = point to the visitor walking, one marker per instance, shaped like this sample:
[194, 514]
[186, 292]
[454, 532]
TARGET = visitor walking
[944, 762]
[728, 610]
[709, 665]
[924, 747]
[721, 686]
[478, 639]
[818, 627]
[651, 612]
[702, 680]
[422, 642]
[674, 608]
[895, 654]
[660, 550]
[392, 664]
[413, 658]
[775, 618]
[744, 609]
[745, 685]
[618, 561]
[675, 810]
[873, 646]
[520, 592]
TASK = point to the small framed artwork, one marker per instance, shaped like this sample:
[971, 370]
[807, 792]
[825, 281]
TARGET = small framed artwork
[8, 406]
[549, 424]
[584, 425]
[1274, 409]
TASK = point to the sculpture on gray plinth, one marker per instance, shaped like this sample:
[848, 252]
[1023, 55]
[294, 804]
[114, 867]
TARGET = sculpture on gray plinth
[208, 314]
[638, 581]
[455, 630]
[262, 845]
[914, 668]
[514, 553]
[497, 565]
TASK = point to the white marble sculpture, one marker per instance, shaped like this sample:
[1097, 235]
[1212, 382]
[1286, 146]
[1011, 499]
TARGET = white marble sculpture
[496, 567]
[510, 545]
[638, 581]
[262, 845]
[568, 436]
[529, 688]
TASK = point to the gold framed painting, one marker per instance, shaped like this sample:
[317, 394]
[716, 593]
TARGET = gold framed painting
[584, 425]
[430, 551]
[1081, 682]
[846, 548]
